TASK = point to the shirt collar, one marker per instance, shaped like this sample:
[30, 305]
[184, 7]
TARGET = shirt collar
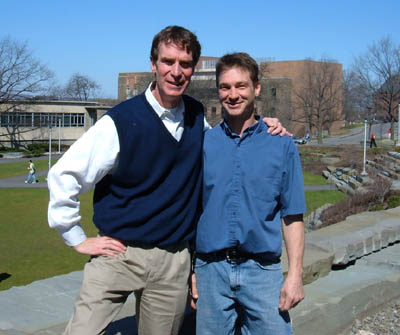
[173, 114]
[255, 128]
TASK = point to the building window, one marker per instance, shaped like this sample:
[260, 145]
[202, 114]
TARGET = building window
[37, 120]
[208, 64]
[273, 92]
[213, 111]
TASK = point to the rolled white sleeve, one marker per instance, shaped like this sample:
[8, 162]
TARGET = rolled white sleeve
[206, 125]
[85, 163]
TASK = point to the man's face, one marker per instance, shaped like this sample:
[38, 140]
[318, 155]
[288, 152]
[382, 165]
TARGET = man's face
[173, 69]
[237, 92]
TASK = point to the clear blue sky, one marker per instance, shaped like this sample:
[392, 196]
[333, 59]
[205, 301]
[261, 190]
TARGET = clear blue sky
[101, 38]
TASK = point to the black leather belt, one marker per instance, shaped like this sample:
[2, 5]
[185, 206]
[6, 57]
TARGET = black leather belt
[235, 255]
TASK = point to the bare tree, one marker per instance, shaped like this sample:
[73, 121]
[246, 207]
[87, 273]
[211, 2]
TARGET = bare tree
[377, 73]
[21, 75]
[81, 87]
[21, 78]
[351, 111]
[318, 97]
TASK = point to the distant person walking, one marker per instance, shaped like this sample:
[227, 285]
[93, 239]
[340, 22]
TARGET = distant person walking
[31, 174]
[372, 140]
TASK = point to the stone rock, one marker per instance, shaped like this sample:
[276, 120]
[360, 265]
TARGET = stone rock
[312, 221]
[331, 169]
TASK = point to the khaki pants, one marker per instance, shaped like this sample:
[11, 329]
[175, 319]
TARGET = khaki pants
[157, 277]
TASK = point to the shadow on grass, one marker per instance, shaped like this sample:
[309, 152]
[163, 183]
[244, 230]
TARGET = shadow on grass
[4, 276]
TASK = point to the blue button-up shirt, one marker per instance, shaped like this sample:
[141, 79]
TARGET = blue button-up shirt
[250, 183]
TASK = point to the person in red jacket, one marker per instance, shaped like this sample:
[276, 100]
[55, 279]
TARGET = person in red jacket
[372, 140]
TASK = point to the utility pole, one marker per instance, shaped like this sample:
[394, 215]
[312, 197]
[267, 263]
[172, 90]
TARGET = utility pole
[398, 126]
[364, 172]
[49, 146]
[59, 135]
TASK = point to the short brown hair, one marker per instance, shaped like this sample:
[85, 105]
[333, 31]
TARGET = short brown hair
[238, 59]
[181, 37]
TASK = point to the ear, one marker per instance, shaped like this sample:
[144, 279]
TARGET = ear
[257, 89]
[153, 65]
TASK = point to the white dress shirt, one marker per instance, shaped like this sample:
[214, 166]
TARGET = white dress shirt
[87, 161]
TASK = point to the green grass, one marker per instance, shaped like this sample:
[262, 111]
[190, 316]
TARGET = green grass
[315, 199]
[312, 179]
[9, 170]
[30, 250]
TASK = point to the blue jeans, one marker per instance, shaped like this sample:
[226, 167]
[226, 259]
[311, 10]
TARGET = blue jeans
[31, 177]
[240, 298]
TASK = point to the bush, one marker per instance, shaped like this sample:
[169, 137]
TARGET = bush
[377, 207]
[373, 199]
[393, 201]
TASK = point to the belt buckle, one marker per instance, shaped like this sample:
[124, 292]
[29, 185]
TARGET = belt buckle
[231, 255]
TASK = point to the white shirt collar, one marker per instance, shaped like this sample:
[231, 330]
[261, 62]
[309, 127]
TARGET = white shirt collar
[173, 114]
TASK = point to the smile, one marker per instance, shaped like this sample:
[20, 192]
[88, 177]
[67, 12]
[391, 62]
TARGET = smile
[177, 84]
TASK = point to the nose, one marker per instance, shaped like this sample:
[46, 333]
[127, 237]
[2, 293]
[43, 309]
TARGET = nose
[233, 94]
[176, 70]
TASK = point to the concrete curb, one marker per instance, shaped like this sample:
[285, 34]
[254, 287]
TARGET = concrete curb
[333, 303]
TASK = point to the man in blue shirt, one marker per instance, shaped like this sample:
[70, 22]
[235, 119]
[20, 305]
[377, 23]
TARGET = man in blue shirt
[252, 191]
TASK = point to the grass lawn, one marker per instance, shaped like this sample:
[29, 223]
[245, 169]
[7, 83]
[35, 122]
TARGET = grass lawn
[29, 249]
[312, 179]
[315, 199]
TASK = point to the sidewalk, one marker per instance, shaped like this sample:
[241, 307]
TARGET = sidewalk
[350, 269]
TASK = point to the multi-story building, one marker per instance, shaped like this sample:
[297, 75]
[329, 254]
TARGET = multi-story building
[314, 89]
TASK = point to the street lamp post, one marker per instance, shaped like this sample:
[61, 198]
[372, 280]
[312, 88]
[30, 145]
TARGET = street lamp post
[398, 126]
[364, 172]
[49, 146]
[59, 136]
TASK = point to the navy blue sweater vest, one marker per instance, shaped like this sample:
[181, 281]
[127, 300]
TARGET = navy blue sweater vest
[153, 196]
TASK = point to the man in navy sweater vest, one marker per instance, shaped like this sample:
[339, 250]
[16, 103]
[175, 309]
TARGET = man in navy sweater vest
[144, 160]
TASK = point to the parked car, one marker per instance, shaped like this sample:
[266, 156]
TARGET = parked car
[299, 140]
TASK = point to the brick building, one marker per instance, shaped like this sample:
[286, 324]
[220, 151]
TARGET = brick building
[293, 80]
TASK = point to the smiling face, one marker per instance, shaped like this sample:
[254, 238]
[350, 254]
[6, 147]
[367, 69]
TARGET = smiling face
[173, 68]
[237, 93]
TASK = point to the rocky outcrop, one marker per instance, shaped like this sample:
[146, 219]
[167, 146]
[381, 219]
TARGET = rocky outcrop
[346, 179]
[349, 181]
[387, 166]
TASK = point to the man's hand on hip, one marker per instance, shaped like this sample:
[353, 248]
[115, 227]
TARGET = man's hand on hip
[292, 293]
[101, 245]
